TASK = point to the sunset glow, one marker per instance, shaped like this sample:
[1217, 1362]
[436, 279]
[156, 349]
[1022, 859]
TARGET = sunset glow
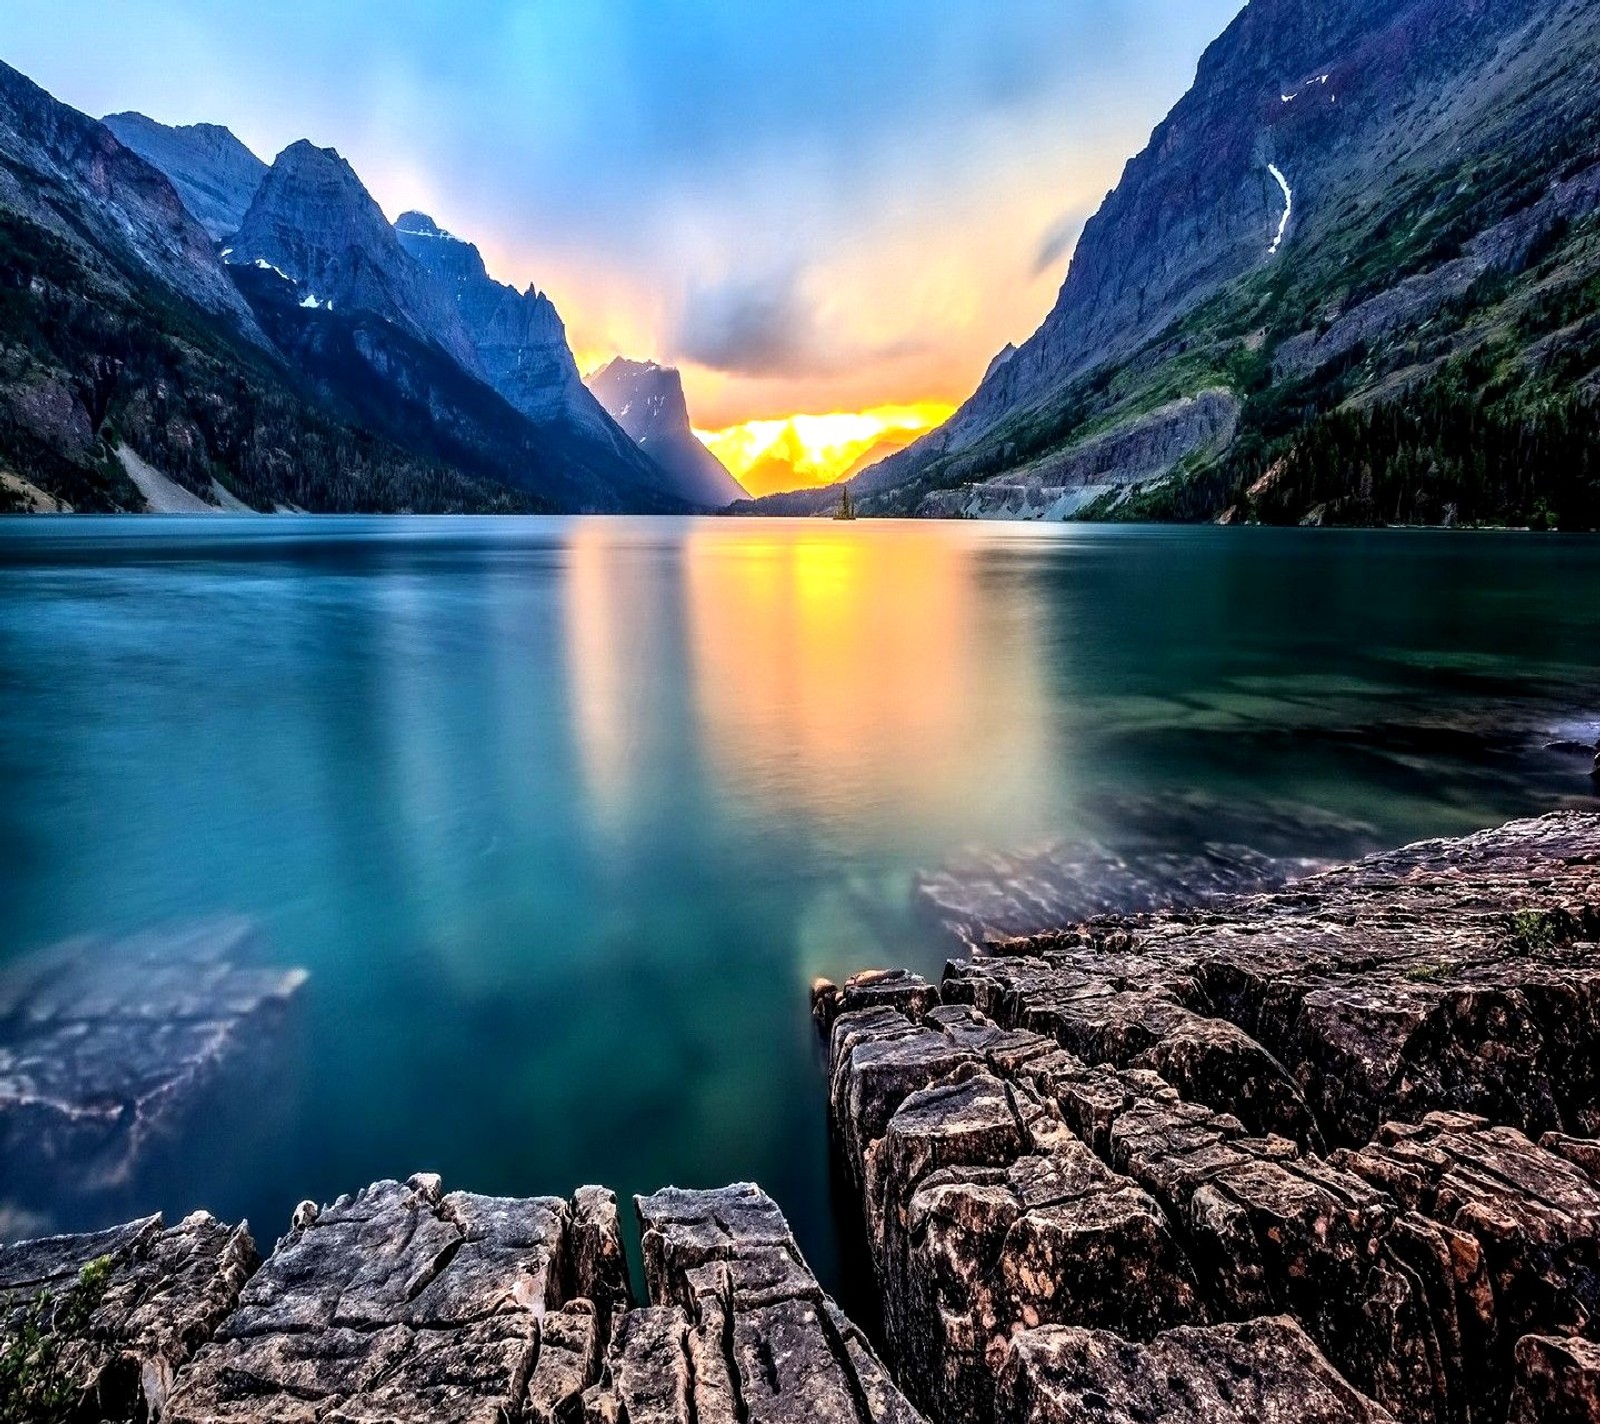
[830, 239]
[770, 455]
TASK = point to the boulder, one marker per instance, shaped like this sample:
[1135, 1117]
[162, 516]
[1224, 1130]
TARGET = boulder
[1220, 1374]
[737, 1330]
[1558, 1381]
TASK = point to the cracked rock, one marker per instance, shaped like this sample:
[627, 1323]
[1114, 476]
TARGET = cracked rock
[396, 1303]
[1220, 1374]
[165, 1293]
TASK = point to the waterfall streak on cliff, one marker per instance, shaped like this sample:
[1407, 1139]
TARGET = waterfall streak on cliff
[1288, 207]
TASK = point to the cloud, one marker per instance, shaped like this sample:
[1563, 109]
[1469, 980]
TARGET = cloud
[895, 164]
[751, 326]
[1059, 240]
[767, 326]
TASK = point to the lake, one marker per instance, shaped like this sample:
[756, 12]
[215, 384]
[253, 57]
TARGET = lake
[562, 817]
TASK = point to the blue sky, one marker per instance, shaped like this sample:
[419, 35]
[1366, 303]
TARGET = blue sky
[819, 206]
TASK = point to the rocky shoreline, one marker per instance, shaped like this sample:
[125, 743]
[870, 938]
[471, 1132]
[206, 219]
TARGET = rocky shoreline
[1360, 1107]
[1319, 1155]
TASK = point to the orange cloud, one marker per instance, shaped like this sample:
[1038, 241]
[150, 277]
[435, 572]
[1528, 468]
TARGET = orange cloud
[767, 456]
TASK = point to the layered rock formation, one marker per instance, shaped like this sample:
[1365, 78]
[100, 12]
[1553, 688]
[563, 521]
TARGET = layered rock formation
[152, 1296]
[1322, 1155]
[647, 401]
[736, 1327]
[404, 1302]
[1260, 1370]
[1350, 1117]
[215, 174]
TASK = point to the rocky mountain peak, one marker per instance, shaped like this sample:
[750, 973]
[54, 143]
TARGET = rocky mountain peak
[646, 399]
[214, 173]
[519, 338]
[313, 219]
[419, 225]
[450, 259]
[49, 145]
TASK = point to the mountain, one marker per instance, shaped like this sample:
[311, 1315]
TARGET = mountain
[125, 345]
[521, 347]
[387, 379]
[132, 359]
[380, 343]
[517, 337]
[647, 401]
[1354, 277]
[57, 164]
[216, 176]
[314, 221]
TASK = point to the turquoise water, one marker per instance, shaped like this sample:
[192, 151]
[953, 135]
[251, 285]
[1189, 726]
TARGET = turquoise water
[563, 816]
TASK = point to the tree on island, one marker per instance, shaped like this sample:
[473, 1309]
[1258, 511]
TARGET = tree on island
[846, 509]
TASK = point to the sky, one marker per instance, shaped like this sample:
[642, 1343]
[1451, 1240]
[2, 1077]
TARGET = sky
[838, 208]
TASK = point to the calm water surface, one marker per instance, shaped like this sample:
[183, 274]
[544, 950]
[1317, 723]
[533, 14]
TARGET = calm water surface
[563, 816]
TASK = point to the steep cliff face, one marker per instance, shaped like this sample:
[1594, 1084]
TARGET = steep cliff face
[647, 401]
[56, 162]
[520, 345]
[390, 381]
[215, 174]
[1324, 155]
[518, 337]
[312, 220]
[124, 345]
[123, 335]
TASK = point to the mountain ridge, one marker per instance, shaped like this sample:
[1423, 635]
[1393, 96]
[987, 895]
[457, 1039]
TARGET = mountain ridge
[214, 174]
[519, 341]
[313, 219]
[1324, 159]
[123, 334]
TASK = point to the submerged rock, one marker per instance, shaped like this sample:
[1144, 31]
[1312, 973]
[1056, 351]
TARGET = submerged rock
[107, 1047]
[1094, 1184]
[1180, 851]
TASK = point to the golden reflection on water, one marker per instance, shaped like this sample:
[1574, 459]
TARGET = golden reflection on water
[611, 609]
[848, 668]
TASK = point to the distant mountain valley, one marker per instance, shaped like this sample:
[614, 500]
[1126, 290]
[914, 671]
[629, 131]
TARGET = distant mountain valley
[1353, 279]
[187, 327]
